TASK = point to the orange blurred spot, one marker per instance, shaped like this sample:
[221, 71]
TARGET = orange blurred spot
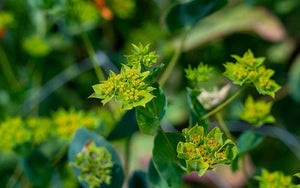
[104, 10]
[2, 32]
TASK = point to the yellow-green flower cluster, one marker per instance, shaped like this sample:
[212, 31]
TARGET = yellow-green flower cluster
[67, 122]
[250, 70]
[257, 113]
[275, 180]
[199, 74]
[13, 133]
[201, 152]
[141, 55]
[85, 11]
[36, 46]
[40, 127]
[95, 165]
[128, 87]
[5, 19]
[122, 9]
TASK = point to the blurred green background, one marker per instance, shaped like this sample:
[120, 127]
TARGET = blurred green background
[45, 64]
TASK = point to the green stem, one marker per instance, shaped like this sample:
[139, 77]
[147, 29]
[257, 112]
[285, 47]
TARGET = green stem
[60, 153]
[171, 148]
[220, 107]
[92, 54]
[163, 79]
[127, 157]
[14, 178]
[224, 127]
[7, 70]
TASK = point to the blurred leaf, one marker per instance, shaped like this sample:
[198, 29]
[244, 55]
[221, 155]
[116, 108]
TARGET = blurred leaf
[294, 80]
[233, 20]
[125, 128]
[165, 157]
[187, 14]
[149, 117]
[196, 110]
[82, 136]
[37, 168]
[297, 175]
[154, 73]
[247, 141]
[138, 180]
[154, 177]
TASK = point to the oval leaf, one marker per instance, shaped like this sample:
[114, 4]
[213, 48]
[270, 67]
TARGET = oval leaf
[149, 117]
[247, 141]
[187, 14]
[154, 177]
[165, 157]
[82, 136]
[196, 110]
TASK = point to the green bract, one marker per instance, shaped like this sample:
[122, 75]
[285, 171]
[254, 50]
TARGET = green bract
[36, 46]
[199, 74]
[5, 19]
[128, 87]
[257, 113]
[95, 165]
[141, 55]
[250, 70]
[274, 180]
[201, 152]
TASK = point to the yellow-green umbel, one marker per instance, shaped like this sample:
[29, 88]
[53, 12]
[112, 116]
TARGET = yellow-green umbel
[201, 152]
[274, 180]
[250, 70]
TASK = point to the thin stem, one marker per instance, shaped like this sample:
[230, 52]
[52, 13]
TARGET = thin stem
[60, 153]
[14, 178]
[7, 70]
[127, 157]
[220, 107]
[92, 54]
[163, 79]
[224, 127]
[171, 148]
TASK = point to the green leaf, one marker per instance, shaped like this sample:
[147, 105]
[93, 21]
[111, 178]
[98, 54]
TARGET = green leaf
[154, 73]
[165, 159]
[149, 117]
[154, 178]
[187, 14]
[297, 175]
[125, 127]
[247, 141]
[196, 110]
[138, 180]
[82, 136]
[294, 80]
[37, 168]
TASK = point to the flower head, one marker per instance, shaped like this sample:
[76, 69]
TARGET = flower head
[41, 128]
[95, 165]
[36, 46]
[274, 180]
[199, 74]
[250, 70]
[201, 152]
[257, 113]
[12, 133]
[141, 55]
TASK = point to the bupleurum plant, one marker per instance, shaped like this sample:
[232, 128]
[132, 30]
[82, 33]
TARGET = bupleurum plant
[250, 70]
[275, 180]
[199, 74]
[257, 112]
[202, 152]
[13, 133]
[67, 122]
[129, 87]
[41, 127]
[95, 165]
